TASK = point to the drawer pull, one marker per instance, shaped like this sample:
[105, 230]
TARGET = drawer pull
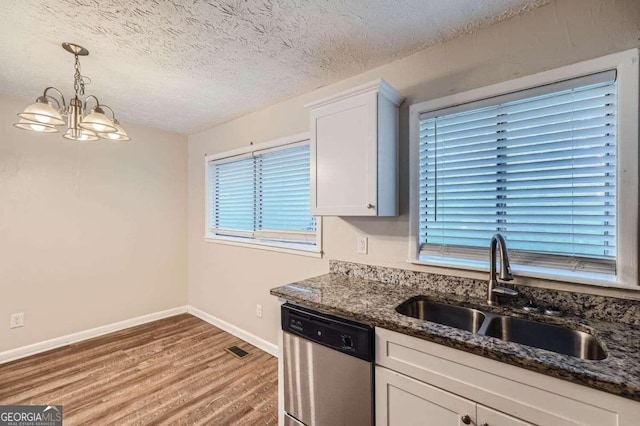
[466, 419]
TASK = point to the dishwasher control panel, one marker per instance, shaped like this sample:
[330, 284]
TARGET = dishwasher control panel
[350, 337]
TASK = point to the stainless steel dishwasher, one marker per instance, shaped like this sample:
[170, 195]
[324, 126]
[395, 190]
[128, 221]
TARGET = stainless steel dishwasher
[328, 369]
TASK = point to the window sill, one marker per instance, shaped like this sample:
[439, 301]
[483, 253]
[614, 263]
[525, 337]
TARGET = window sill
[537, 272]
[282, 247]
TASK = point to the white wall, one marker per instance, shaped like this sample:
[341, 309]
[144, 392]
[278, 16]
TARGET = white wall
[90, 234]
[228, 282]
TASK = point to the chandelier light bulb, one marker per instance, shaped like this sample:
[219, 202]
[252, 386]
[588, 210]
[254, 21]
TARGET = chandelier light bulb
[118, 136]
[42, 112]
[42, 118]
[35, 126]
[80, 135]
[97, 121]
[38, 127]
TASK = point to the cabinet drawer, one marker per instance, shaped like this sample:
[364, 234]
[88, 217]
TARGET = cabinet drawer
[489, 417]
[517, 392]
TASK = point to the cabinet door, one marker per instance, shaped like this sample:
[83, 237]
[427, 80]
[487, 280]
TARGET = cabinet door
[489, 417]
[403, 401]
[344, 157]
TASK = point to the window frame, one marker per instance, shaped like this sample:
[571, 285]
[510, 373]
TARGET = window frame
[627, 69]
[257, 243]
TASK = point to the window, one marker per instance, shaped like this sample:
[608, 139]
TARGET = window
[540, 165]
[260, 196]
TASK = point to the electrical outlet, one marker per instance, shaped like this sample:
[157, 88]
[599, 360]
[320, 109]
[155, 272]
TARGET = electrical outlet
[17, 320]
[259, 311]
[363, 245]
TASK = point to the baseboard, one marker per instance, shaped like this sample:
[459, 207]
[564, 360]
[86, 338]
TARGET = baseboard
[236, 331]
[57, 342]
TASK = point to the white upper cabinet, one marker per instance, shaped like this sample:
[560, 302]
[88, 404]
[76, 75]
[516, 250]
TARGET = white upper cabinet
[354, 152]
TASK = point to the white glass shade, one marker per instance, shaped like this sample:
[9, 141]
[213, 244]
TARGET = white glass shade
[42, 112]
[118, 136]
[97, 122]
[82, 135]
[35, 126]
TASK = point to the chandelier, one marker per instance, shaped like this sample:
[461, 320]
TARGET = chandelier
[41, 116]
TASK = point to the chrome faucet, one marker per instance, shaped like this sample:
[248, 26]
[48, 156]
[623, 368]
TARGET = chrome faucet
[505, 271]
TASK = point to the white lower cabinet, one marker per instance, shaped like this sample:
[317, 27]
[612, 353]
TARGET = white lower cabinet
[403, 401]
[427, 384]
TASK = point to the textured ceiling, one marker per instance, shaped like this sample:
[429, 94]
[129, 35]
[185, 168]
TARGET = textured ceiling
[186, 65]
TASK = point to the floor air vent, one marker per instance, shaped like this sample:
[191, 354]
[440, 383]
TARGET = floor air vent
[240, 353]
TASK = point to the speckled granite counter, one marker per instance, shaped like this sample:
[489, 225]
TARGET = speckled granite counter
[374, 302]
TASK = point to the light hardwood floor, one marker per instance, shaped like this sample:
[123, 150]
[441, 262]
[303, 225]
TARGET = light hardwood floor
[171, 371]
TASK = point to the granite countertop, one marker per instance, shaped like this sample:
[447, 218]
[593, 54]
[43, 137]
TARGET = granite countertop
[374, 302]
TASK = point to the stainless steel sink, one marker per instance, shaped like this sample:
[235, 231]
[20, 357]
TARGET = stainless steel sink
[441, 313]
[546, 336]
[536, 334]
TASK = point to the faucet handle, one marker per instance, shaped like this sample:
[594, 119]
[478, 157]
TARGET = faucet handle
[505, 273]
[504, 291]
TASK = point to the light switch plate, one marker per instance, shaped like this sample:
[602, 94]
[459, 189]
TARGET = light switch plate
[363, 245]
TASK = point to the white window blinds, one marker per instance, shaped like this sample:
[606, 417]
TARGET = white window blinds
[232, 189]
[263, 195]
[537, 166]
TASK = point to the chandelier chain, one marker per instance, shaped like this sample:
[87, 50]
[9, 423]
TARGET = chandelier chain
[78, 81]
